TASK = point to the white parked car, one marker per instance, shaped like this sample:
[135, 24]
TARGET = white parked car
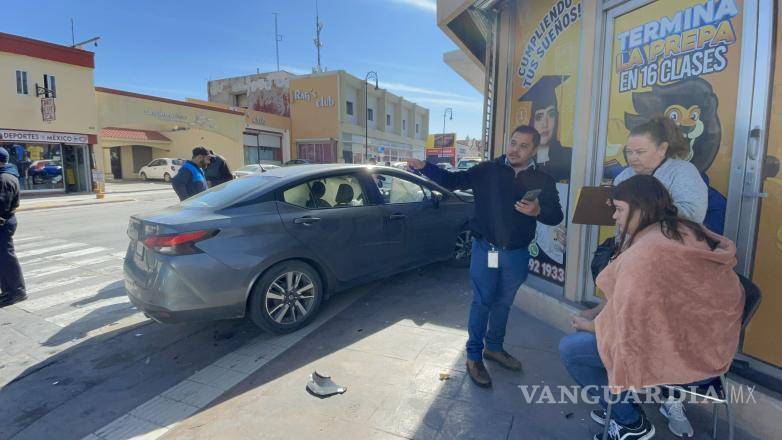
[164, 168]
[446, 166]
[468, 162]
[253, 169]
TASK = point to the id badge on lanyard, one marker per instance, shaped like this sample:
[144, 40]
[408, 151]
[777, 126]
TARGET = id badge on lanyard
[494, 258]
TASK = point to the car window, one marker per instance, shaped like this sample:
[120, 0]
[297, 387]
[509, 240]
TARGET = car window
[178, 162]
[157, 163]
[398, 190]
[229, 193]
[329, 192]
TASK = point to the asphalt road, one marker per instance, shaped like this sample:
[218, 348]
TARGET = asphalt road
[76, 355]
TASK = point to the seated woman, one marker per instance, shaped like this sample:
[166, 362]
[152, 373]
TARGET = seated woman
[673, 308]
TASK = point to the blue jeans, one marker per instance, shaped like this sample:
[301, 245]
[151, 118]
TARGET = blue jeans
[494, 290]
[582, 360]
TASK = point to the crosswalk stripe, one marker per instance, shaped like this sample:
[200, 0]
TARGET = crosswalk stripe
[79, 253]
[46, 271]
[24, 239]
[61, 282]
[93, 260]
[38, 244]
[104, 305]
[48, 250]
[34, 305]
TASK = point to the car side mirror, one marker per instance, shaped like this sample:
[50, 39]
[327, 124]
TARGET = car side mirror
[437, 197]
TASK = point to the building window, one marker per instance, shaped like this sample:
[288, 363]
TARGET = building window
[349, 108]
[21, 82]
[240, 100]
[404, 124]
[322, 152]
[50, 85]
[416, 128]
[388, 120]
[370, 114]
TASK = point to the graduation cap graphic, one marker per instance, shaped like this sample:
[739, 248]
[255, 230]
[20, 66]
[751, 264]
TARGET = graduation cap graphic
[542, 94]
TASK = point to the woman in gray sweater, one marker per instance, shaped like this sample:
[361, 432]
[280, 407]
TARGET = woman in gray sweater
[658, 148]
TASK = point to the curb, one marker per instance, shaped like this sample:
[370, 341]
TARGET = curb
[68, 205]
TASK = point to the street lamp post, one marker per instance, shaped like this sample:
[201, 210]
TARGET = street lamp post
[448, 112]
[370, 75]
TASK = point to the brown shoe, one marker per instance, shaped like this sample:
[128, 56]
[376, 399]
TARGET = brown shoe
[503, 358]
[478, 373]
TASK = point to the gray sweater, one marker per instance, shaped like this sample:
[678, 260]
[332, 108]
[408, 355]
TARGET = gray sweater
[689, 191]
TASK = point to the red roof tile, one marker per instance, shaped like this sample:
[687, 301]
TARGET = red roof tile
[128, 133]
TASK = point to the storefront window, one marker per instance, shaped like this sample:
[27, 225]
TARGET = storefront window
[262, 147]
[318, 152]
[39, 165]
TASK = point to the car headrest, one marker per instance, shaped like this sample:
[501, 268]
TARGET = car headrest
[318, 190]
[344, 194]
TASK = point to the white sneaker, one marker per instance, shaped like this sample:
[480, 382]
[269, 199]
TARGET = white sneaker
[673, 410]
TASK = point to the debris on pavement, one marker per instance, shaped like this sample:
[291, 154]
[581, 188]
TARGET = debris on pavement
[444, 375]
[322, 386]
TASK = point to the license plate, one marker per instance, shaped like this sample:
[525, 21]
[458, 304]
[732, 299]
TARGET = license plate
[138, 254]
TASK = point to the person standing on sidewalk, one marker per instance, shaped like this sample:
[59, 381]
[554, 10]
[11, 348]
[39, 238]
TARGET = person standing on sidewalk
[503, 227]
[11, 280]
[190, 179]
[217, 172]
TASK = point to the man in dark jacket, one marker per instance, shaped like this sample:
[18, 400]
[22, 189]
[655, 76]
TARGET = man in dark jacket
[11, 280]
[190, 179]
[503, 227]
[217, 172]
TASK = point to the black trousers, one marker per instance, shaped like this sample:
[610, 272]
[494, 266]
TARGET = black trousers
[11, 280]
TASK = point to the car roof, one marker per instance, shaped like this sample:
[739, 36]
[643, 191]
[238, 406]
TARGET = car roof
[318, 169]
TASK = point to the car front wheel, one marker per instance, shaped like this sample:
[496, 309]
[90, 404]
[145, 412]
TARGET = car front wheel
[462, 252]
[286, 298]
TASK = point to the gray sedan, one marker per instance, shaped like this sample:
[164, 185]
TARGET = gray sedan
[274, 246]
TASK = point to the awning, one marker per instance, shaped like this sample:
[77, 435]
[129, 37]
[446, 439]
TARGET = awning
[135, 136]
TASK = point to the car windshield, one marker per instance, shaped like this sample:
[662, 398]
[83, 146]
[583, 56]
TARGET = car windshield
[228, 193]
[249, 168]
[178, 162]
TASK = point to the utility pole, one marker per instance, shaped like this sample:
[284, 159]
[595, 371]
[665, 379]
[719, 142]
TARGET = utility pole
[277, 39]
[318, 43]
[73, 35]
[448, 112]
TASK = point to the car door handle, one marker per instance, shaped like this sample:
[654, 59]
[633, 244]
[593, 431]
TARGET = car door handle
[396, 216]
[306, 220]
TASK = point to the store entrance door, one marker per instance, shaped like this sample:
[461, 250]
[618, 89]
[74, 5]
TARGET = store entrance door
[116, 162]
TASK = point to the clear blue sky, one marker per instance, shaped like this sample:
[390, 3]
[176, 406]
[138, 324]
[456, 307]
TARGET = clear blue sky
[172, 48]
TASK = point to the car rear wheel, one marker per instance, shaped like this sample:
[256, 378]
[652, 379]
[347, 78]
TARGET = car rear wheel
[462, 252]
[167, 177]
[286, 298]
[143, 176]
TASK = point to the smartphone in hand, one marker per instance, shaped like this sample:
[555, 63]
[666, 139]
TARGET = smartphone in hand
[531, 195]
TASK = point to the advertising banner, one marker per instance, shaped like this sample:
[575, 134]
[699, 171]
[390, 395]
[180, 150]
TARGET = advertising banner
[546, 60]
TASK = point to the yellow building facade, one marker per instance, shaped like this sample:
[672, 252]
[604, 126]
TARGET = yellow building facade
[48, 118]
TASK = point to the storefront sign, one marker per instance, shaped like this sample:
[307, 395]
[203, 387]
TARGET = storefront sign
[543, 96]
[42, 137]
[166, 116]
[48, 109]
[679, 59]
[312, 95]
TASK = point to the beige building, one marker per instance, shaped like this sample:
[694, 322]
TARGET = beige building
[135, 129]
[48, 118]
[330, 115]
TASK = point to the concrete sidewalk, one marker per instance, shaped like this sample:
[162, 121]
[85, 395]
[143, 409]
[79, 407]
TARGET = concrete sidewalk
[116, 192]
[389, 349]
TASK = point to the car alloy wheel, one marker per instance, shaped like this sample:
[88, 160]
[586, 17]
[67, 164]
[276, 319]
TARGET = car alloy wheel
[462, 251]
[166, 177]
[290, 298]
[286, 297]
[143, 176]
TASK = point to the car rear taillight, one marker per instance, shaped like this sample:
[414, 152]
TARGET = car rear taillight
[172, 168]
[178, 244]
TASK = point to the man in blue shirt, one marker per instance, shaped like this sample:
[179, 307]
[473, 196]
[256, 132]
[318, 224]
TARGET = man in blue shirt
[190, 179]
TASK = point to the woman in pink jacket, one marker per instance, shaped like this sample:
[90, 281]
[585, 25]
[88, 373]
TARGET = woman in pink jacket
[673, 307]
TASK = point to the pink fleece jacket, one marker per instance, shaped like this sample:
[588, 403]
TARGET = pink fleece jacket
[673, 311]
